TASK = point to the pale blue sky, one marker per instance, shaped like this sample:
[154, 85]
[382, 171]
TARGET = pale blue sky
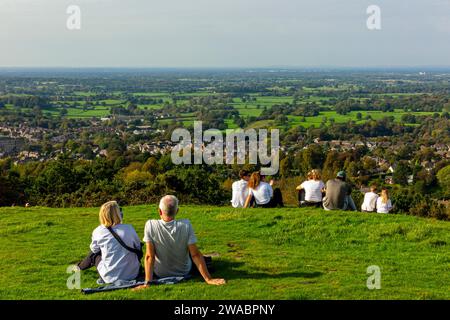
[224, 33]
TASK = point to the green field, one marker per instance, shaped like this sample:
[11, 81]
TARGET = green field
[252, 109]
[245, 109]
[285, 253]
[339, 118]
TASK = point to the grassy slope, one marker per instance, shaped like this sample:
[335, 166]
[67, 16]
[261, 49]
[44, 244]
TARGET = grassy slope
[263, 253]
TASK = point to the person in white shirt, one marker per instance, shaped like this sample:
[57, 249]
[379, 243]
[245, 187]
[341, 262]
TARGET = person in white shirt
[261, 194]
[310, 191]
[112, 260]
[240, 190]
[370, 200]
[384, 204]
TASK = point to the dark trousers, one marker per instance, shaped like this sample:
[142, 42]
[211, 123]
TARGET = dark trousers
[303, 203]
[275, 201]
[91, 260]
[194, 270]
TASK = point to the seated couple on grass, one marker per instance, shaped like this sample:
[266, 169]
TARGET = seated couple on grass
[376, 203]
[171, 249]
[253, 191]
[335, 195]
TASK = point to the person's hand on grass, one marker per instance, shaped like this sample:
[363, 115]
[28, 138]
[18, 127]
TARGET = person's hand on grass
[216, 282]
[142, 286]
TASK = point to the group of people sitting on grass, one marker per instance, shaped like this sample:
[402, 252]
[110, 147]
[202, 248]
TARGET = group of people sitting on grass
[171, 249]
[253, 191]
[374, 202]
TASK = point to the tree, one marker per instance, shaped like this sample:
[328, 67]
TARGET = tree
[443, 177]
[58, 178]
[286, 166]
[369, 164]
[311, 158]
[401, 173]
[151, 165]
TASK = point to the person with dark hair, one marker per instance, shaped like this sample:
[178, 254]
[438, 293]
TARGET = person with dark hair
[370, 200]
[240, 189]
[261, 193]
[338, 194]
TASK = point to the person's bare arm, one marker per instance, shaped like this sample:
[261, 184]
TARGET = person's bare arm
[247, 201]
[199, 262]
[149, 263]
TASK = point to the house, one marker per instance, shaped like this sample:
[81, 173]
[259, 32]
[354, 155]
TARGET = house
[427, 165]
[389, 180]
[103, 153]
[11, 145]
[392, 168]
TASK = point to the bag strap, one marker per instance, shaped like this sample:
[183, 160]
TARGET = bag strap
[136, 251]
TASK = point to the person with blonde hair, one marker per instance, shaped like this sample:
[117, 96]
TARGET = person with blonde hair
[310, 191]
[114, 248]
[384, 204]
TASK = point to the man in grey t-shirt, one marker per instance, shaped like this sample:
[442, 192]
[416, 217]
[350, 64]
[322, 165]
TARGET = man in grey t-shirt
[337, 195]
[170, 240]
[169, 243]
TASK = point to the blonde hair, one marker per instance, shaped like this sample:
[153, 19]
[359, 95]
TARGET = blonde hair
[314, 174]
[109, 215]
[254, 180]
[384, 195]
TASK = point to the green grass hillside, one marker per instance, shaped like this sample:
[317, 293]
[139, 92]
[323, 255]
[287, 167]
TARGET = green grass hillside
[263, 253]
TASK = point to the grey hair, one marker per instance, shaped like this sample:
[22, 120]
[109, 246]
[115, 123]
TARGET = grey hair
[169, 205]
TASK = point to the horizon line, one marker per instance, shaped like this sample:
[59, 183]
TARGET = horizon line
[288, 67]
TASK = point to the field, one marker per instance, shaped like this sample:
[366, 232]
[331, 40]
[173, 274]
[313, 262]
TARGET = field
[252, 108]
[287, 253]
[326, 116]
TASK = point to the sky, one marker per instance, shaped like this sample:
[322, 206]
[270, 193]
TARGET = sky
[224, 33]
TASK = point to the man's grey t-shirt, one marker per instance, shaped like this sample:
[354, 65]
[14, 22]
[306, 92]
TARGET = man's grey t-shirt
[336, 191]
[171, 241]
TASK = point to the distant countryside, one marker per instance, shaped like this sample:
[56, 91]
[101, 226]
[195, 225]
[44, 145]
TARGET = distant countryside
[77, 137]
